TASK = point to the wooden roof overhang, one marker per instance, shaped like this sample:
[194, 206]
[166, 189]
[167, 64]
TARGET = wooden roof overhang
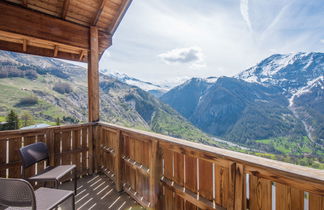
[58, 28]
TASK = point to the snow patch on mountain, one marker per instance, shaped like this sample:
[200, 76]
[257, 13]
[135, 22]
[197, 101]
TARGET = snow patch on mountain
[147, 86]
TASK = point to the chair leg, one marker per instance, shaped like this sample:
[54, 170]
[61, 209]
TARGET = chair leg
[57, 184]
[73, 202]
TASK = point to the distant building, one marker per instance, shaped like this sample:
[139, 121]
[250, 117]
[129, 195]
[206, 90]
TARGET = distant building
[42, 125]
[3, 125]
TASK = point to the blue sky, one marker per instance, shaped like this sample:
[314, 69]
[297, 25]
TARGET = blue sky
[171, 40]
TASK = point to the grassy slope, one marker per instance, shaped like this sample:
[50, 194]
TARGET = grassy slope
[12, 91]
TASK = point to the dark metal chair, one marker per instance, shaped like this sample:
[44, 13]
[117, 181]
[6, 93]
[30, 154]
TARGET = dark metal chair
[19, 193]
[37, 152]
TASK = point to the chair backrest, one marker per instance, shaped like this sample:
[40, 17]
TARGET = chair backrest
[17, 193]
[33, 153]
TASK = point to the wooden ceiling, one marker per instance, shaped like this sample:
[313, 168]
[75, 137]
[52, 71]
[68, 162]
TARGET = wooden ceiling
[58, 28]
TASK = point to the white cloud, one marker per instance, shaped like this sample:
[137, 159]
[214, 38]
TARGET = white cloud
[191, 55]
[244, 6]
[322, 41]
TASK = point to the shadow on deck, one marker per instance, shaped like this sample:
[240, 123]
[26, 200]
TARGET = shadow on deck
[98, 192]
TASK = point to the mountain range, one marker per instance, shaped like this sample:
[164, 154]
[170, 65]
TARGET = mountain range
[56, 89]
[280, 97]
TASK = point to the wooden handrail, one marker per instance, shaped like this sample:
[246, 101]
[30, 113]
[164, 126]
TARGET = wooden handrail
[231, 171]
[163, 172]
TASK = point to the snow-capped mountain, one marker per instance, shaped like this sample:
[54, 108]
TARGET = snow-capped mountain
[155, 89]
[282, 92]
[291, 72]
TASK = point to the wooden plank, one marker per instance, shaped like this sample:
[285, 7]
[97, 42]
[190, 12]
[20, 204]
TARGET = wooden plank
[168, 199]
[3, 156]
[90, 155]
[179, 168]
[99, 11]
[260, 193]
[221, 185]
[84, 144]
[155, 174]
[118, 162]
[231, 185]
[18, 20]
[289, 198]
[65, 8]
[191, 173]
[76, 145]
[206, 179]
[240, 190]
[14, 146]
[316, 202]
[168, 164]
[93, 76]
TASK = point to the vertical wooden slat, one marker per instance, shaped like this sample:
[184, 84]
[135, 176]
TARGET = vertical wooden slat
[3, 154]
[57, 147]
[240, 196]
[155, 174]
[191, 173]
[84, 144]
[118, 161]
[50, 139]
[90, 151]
[179, 168]
[231, 186]
[168, 199]
[168, 164]
[66, 147]
[289, 198]
[14, 146]
[260, 193]
[221, 182]
[76, 144]
[316, 202]
[206, 179]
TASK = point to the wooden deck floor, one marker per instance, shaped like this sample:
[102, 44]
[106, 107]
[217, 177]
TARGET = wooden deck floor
[97, 192]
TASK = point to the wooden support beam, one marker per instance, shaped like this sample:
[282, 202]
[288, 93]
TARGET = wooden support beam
[117, 19]
[99, 11]
[82, 55]
[33, 50]
[65, 8]
[155, 174]
[25, 42]
[37, 25]
[56, 49]
[93, 76]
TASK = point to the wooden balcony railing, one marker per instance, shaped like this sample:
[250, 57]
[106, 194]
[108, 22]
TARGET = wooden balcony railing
[168, 173]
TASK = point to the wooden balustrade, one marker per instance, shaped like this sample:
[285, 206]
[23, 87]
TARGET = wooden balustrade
[67, 145]
[167, 173]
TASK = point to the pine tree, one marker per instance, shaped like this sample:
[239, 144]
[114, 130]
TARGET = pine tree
[12, 121]
[58, 121]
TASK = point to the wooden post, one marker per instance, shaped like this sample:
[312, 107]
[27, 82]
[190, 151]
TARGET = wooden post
[155, 174]
[93, 94]
[93, 76]
[118, 162]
